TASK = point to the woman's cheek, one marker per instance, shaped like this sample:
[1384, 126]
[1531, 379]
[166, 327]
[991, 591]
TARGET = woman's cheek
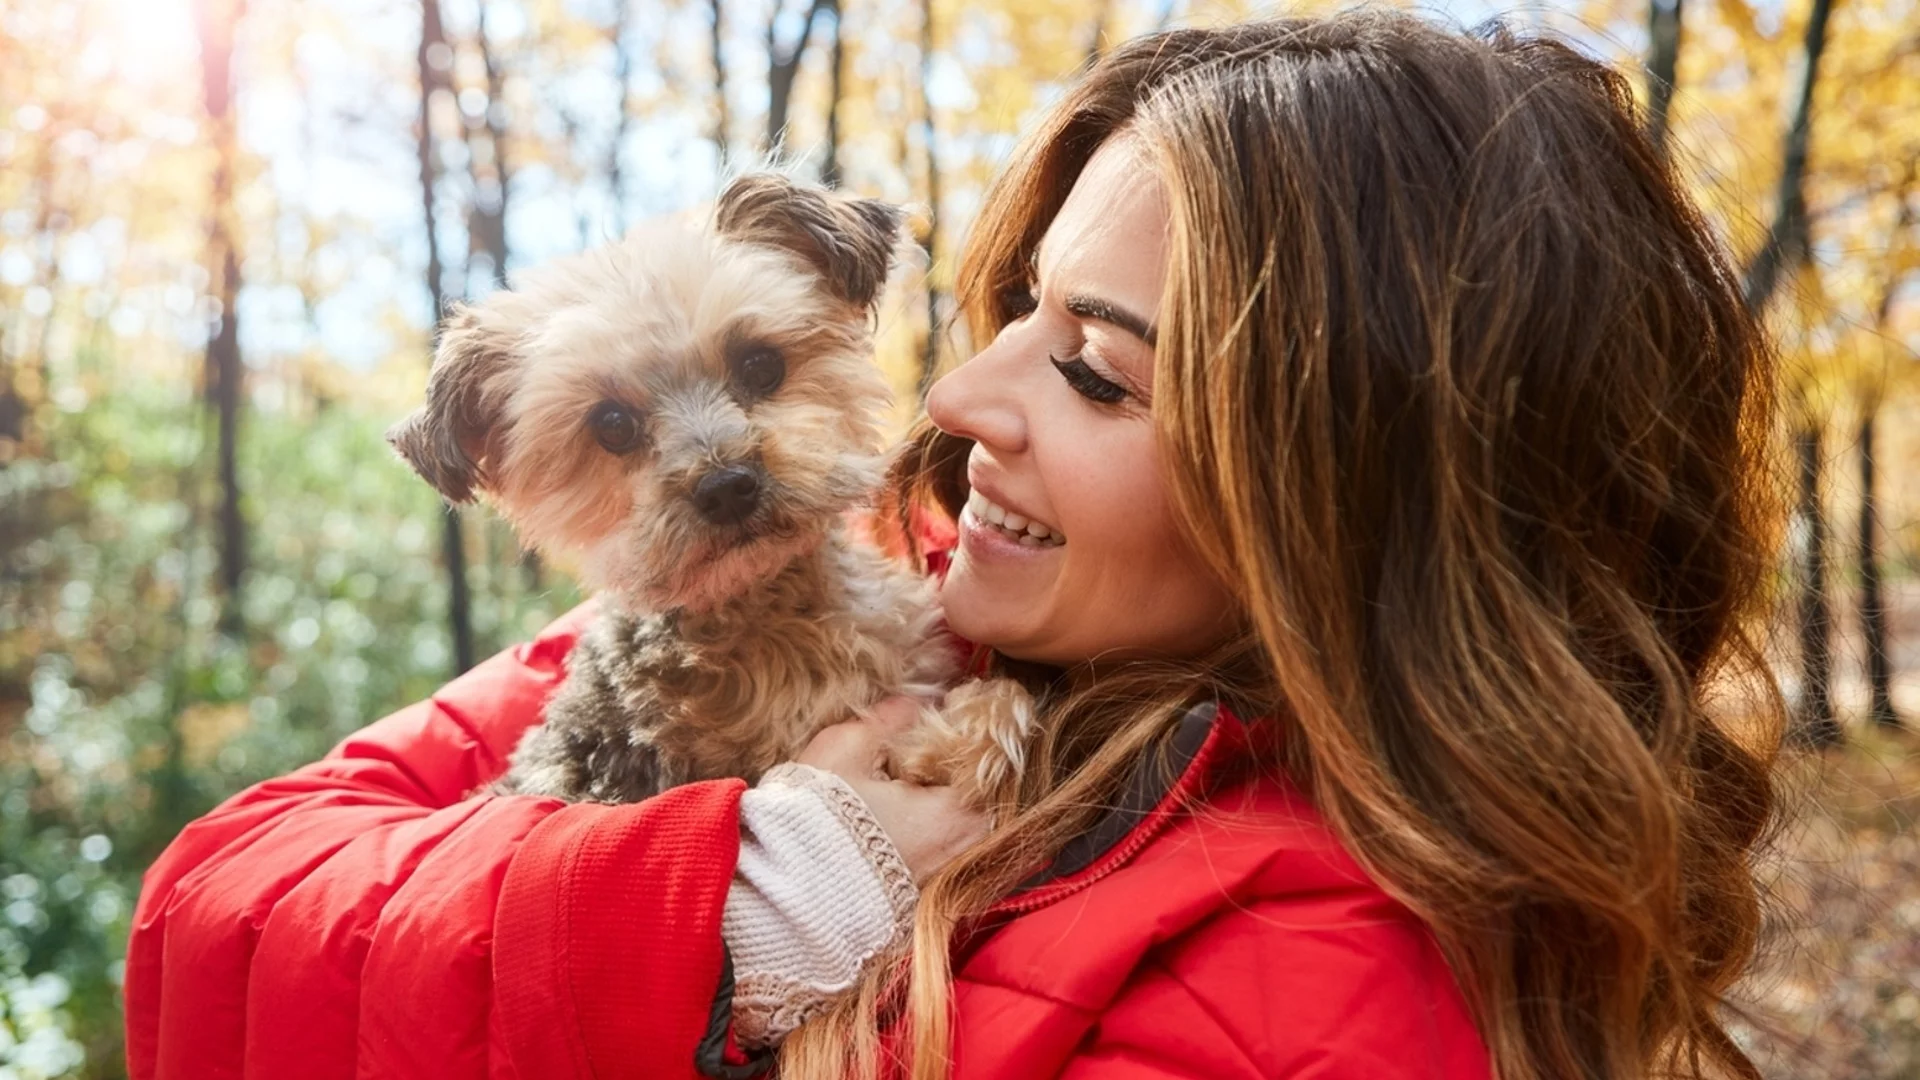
[1119, 496]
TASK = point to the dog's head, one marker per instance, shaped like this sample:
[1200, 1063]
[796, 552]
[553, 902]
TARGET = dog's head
[682, 412]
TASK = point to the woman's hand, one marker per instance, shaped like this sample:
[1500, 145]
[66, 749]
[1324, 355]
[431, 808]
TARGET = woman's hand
[929, 825]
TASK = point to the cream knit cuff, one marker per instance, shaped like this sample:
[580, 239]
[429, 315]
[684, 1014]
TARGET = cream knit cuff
[818, 892]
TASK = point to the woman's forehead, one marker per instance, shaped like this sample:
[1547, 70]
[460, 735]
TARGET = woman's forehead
[1110, 236]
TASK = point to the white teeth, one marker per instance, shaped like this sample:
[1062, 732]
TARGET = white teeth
[1031, 533]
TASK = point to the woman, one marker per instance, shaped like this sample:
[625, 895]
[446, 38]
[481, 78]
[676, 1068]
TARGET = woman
[1402, 419]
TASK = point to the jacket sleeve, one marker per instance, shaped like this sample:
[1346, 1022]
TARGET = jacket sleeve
[369, 916]
[1275, 989]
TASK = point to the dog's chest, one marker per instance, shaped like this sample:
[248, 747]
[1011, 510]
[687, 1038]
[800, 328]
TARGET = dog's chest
[734, 692]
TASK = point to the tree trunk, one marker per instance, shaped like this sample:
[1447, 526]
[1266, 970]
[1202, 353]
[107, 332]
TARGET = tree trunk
[216, 21]
[623, 73]
[487, 139]
[929, 241]
[1663, 61]
[453, 548]
[487, 221]
[1786, 244]
[836, 94]
[783, 67]
[1814, 723]
[13, 414]
[1786, 241]
[1873, 610]
[223, 356]
[16, 406]
[722, 124]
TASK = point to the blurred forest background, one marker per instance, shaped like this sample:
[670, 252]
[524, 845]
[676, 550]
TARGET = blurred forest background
[226, 226]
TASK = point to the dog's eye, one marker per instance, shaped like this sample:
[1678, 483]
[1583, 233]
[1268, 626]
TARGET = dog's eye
[615, 427]
[760, 371]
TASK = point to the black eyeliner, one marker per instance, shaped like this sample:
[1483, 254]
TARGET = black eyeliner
[1087, 382]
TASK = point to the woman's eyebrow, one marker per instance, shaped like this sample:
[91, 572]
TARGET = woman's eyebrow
[1092, 307]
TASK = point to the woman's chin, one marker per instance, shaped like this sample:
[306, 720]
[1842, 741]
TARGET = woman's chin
[981, 610]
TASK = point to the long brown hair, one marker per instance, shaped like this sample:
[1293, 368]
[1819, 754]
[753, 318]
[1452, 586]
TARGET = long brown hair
[1456, 388]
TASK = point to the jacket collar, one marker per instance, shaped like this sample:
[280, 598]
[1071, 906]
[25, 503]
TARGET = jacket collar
[1155, 778]
[1208, 740]
[1208, 746]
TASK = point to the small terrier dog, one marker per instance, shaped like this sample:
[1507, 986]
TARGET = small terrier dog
[688, 414]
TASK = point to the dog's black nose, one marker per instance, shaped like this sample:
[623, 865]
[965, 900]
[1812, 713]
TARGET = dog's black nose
[727, 496]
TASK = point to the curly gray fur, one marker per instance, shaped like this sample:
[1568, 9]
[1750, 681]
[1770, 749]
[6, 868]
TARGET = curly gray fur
[652, 701]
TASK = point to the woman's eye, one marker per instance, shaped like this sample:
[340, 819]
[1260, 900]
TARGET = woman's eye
[615, 427]
[760, 371]
[1088, 383]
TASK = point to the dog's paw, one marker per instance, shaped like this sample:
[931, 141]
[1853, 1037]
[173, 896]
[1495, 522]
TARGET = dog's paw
[994, 719]
[976, 740]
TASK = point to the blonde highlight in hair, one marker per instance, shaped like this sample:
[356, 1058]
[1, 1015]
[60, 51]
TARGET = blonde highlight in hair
[1456, 389]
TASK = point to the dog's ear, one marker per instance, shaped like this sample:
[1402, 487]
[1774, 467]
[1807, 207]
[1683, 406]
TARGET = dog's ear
[849, 240]
[445, 440]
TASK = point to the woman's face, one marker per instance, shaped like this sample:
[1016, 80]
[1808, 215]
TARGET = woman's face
[1059, 411]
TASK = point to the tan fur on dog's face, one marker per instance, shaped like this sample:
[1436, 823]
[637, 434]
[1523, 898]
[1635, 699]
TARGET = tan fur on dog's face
[671, 326]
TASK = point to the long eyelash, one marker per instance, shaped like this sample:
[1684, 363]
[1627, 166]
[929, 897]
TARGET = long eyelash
[1086, 382]
[1018, 301]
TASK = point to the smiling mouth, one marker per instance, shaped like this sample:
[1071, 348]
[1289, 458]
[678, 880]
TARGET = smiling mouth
[1027, 532]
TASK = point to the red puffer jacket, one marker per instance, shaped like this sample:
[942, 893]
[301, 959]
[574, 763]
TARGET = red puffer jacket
[369, 917]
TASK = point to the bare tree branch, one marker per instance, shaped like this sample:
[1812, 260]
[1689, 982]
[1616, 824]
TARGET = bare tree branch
[1663, 61]
[783, 67]
[492, 176]
[721, 123]
[1102, 14]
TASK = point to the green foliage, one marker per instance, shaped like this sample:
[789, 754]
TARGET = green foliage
[124, 712]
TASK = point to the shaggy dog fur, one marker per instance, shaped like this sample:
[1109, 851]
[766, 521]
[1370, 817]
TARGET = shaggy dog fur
[688, 414]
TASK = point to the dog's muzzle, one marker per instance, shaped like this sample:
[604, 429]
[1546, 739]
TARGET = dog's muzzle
[729, 495]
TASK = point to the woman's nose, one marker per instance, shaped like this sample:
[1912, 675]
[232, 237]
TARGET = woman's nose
[980, 401]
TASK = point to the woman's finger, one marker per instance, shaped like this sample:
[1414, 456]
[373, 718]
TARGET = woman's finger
[854, 748]
[928, 825]
[892, 715]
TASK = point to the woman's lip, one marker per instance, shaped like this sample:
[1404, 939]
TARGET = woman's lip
[982, 540]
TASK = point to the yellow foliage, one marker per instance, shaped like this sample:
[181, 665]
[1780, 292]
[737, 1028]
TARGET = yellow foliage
[111, 138]
[206, 727]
